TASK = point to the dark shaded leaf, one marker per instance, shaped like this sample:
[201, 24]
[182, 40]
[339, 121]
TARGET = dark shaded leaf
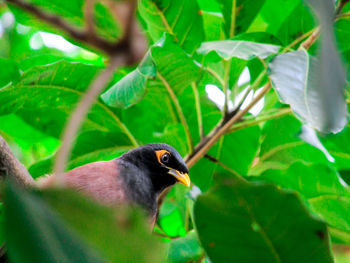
[238, 18]
[323, 189]
[261, 222]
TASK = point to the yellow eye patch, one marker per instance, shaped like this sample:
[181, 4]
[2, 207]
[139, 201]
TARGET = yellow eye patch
[160, 153]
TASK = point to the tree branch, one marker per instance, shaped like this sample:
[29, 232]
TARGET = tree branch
[9, 165]
[86, 37]
[203, 147]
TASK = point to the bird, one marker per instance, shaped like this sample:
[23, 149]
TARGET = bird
[140, 176]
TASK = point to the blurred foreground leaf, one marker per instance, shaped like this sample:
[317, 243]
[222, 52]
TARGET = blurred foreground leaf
[120, 235]
[34, 233]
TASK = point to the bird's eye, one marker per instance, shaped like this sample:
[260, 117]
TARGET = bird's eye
[165, 158]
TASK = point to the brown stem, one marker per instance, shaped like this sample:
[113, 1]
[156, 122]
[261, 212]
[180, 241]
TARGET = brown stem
[310, 40]
[10, 166]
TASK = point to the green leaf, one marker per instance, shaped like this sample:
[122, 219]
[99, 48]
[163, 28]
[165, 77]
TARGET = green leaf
[281, 146]
[179, 74]
[238, 15]
[172, 83]
[322, 187]
[28, 144]
[314, 88]
[185, 249]
[342, 30]
[34, 233]
[182, 70]
[295, 22]
[241, 49]
[338, 146]
[275, 13]
[126, 92]
[262, 223]
[179, 18]
[131, 88]
[121, 234]
[9, 73]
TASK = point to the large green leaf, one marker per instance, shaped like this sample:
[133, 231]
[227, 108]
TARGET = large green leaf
[314, 88]
[34, 233]
[239, 49]
[238, 15]
[46, 95]
[261, 223]
[323, 189]
[179, 18]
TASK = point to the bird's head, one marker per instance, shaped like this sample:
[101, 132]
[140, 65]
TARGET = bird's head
[164, 164]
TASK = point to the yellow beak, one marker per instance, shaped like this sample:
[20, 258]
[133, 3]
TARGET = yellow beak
[183, 178]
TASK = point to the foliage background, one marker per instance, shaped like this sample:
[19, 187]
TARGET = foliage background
[273, 187]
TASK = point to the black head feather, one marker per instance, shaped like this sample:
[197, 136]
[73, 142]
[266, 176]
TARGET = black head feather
[145, 176]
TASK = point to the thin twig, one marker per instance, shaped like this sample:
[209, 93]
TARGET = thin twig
[250, 123]
[311, 39]
[79, 114]
[343, 15]
[214, 160]
[89, 17]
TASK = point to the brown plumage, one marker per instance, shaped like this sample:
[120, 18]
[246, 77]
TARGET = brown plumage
[137, 177]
